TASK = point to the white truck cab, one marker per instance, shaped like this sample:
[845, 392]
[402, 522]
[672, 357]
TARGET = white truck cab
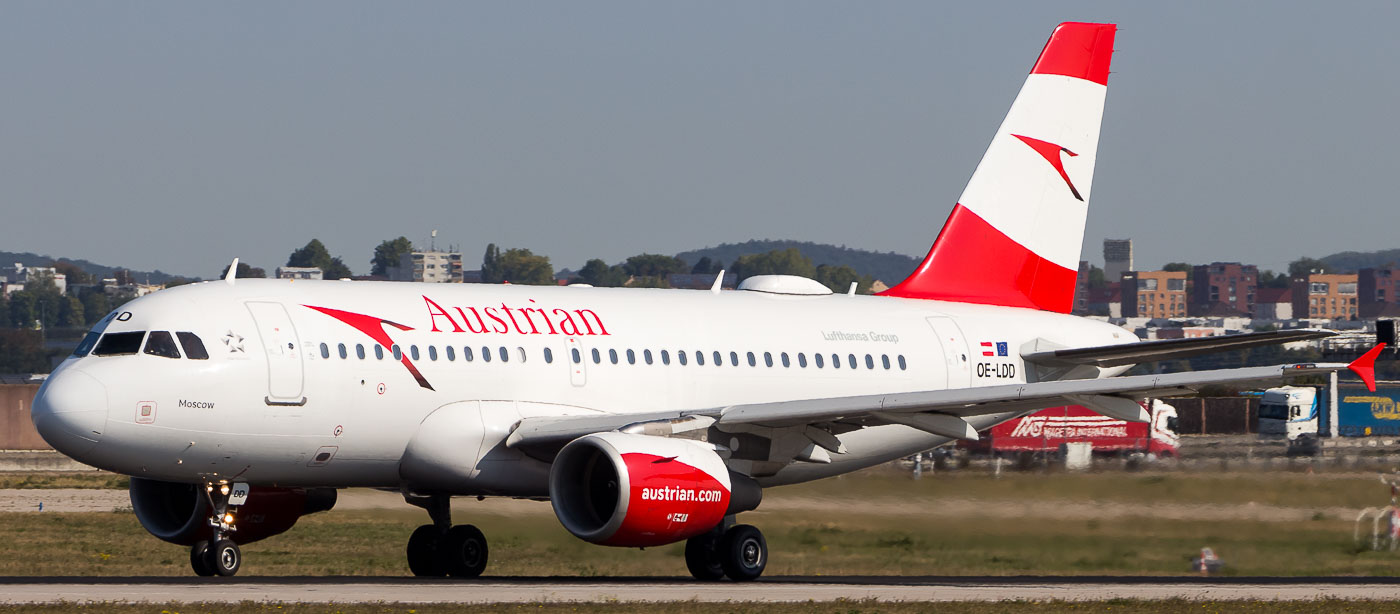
[1288, 411]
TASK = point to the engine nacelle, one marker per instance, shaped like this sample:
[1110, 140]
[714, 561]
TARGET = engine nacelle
[620, 489]
[179, 513]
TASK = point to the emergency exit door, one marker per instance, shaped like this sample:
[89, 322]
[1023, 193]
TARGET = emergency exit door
[282, 348]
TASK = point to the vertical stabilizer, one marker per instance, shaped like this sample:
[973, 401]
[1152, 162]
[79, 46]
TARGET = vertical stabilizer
[1013, 238]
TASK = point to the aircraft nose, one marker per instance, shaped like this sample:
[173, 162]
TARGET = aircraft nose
[70, 412]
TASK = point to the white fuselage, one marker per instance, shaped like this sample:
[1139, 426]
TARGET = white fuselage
[275, 402]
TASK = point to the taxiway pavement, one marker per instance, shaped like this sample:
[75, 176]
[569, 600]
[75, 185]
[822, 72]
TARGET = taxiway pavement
[15, 590]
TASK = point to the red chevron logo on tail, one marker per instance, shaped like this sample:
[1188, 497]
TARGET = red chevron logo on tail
[1051, 153]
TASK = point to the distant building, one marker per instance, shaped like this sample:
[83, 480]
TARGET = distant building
[17, 276]
[1154, 294]
[1273, 304]
[471, 277]
[432, 267]
[1117, 257]
[299, 272]
[1325, 297]
[1106, 301]
[1223, 289]
[1376, 291]
[1081, 290]
[700, 281]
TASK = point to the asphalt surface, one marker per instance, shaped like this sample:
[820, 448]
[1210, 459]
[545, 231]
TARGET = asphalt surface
[775, 589]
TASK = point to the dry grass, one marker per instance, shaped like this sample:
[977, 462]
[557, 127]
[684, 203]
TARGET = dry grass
[63, 479]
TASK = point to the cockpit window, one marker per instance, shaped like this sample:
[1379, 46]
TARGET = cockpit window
[194, 347]
[86, 345]
[160, 343]
[119, 344]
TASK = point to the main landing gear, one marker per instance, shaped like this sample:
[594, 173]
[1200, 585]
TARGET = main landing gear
[220, 556]
[440, 549]
[738, 552]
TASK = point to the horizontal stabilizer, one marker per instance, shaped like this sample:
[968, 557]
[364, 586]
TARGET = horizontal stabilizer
[1168, 349]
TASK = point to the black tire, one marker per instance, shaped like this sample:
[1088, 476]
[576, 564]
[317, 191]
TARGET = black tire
[743, 553]
[702, 556]
[423, 547]
[224, 558]
[199, 559]
[466, 552]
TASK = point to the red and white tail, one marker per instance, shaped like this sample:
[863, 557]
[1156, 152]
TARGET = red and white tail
[1013, 239]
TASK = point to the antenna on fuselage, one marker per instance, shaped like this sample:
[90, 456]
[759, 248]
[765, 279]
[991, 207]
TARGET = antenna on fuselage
[719, 282]
[232, 272]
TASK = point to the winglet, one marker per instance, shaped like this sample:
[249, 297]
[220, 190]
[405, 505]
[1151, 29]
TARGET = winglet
[1365, 367]
[719, 282]
[232, 272]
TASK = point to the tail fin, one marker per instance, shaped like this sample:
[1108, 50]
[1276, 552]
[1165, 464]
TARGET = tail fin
[1013, 239]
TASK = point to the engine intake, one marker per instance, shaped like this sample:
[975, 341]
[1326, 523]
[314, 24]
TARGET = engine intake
[178, 512]
[620, 489]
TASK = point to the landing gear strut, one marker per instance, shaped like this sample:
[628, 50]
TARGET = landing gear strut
[440, 549]
[220, 556]
[736, 551]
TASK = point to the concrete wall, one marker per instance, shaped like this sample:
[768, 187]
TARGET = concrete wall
[16, 429]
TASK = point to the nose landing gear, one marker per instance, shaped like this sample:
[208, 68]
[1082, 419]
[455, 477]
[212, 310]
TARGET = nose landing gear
[220, 556]
[738, 551]
[440, 549]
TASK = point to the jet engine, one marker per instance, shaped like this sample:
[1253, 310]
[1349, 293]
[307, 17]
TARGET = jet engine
[179, 513]
[622, 489]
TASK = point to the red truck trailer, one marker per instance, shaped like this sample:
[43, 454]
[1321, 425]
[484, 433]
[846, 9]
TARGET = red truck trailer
[1047, 429]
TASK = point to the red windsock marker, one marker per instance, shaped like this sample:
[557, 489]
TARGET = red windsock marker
[1365, 367]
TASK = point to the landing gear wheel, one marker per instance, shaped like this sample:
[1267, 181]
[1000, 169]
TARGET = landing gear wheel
[702, 556]
[199, 559]
[223, 557]
[743, 553]
[423, 546]
[465, 552]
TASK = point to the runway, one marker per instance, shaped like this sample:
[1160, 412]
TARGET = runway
[15, 590]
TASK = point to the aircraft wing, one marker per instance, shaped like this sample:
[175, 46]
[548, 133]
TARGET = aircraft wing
[1168, 349]
[941, 412]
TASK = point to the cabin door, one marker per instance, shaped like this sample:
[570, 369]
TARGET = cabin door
[954, 351]
[282, 349]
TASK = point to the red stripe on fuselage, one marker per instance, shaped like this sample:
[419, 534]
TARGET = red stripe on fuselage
[973, 262]
[1081, 50]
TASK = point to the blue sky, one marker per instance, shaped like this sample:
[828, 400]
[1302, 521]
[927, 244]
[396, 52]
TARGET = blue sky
[179, 135]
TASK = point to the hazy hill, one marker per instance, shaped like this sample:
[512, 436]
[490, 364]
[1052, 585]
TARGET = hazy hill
[1355, 261]
[97, 270]
[888, 267]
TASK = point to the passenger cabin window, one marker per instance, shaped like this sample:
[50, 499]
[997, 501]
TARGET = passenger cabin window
[753, 362]
[802, 360]
[548, 356]
[646, 355]
[575, 355]
[119, 344]
[680, 357]
[398, 354]
[768, 358]
[665, 357]
[160, 343]
[486, 353]
[612, 356]
[869, 362]
[902, 364]
[505, 356]
[631, 357]
[413, 351]
[467, 354]
[818, 359]
[786, 362]
[89, 340]
[325, 351]
[719, 360]
[885, 360]
[597, 358]
[734, 358]
[379, 352]
[432, 352]
[451, 354]
[340, 348]
[360, 350]
[699, 358]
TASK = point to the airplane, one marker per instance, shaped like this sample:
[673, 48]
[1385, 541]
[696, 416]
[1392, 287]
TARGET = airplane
[644, 416]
